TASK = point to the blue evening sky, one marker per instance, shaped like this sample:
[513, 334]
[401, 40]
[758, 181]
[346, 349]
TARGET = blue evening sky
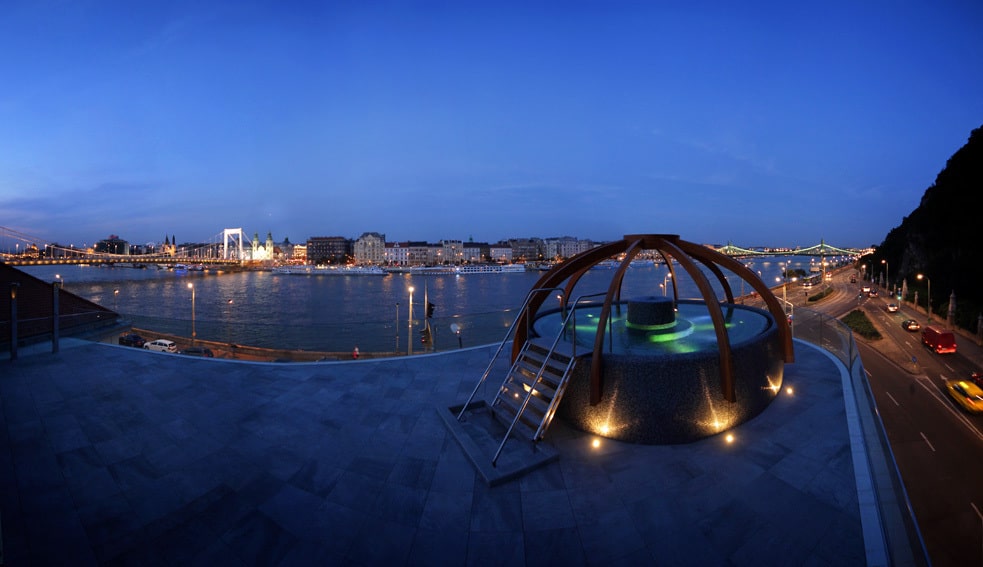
[758, 123]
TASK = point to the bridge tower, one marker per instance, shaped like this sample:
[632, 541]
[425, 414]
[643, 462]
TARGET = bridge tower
[235, 236]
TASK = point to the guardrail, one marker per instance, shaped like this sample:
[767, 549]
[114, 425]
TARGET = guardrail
[898, 528]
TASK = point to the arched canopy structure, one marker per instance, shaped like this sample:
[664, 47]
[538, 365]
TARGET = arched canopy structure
[673, 250]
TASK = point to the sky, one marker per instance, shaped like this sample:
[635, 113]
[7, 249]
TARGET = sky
[754, 123]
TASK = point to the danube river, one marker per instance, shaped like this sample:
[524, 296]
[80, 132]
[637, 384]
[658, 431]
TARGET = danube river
[337, 313]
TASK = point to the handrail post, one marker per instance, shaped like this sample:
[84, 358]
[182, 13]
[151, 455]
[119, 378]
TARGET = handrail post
[13, 320]
[55, 318]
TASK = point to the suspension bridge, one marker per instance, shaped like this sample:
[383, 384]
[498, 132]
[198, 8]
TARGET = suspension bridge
[229, 247]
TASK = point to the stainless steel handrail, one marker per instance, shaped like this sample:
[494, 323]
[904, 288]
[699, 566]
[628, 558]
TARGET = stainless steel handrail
[508, 335]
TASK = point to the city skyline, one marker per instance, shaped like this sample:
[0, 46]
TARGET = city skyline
[19, 243]
[764, 124]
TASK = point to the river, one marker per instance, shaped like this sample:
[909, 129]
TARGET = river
[336, 313]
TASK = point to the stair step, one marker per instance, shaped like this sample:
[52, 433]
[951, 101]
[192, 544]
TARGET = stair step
[556, 363]
[527, 374]
[506, 413]
[514, 393]
[541, 346]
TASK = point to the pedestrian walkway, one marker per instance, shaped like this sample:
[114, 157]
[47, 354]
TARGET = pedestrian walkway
[112, 455]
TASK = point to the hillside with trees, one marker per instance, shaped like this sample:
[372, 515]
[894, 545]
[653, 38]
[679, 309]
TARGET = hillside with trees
[941, 239]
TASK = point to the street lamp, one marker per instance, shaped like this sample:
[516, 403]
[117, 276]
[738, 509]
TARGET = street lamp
[409, 326]
[665, 283]
[61, 282]
[191, 286]
[928, 299]
[115, 296]
[887, 274]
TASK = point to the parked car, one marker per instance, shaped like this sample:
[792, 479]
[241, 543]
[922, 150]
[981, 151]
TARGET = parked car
[161, 345]
[198, 351]
[966, 394]
[892, 307]
[910, 325]
[939, 340]
[132, 339]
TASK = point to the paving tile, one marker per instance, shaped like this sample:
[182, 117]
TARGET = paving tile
[351, 464]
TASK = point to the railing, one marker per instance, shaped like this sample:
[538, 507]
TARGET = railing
[899, 530]
[508, 337]
[572, 319]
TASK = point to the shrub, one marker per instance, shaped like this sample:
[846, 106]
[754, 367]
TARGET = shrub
[861, 325]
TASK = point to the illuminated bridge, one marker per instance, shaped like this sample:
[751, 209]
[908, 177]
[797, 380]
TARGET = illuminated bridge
[19, 249]
[821, 249]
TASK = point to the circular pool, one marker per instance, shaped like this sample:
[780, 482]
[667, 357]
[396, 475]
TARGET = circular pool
[661, 377]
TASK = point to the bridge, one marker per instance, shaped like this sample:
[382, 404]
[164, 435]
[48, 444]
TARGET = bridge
[19, 249]
[821, 249]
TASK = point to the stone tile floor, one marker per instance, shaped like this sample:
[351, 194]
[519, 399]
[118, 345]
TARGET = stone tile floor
[110, 455]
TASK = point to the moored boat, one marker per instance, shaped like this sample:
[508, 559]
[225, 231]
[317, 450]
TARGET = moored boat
[331, 270]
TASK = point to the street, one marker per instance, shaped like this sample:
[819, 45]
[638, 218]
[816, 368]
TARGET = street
[937, 445]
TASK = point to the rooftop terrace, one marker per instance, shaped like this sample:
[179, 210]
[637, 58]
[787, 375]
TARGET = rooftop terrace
[117, 455]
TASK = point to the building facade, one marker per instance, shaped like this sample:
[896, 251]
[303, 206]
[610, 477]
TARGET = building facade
[113, 245]
[370, 248]
[325, 250]
[451, 252]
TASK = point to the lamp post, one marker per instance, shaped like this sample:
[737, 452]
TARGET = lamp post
[665, 283]
[887, 274]
[115, 297]
[191, 286]
[409, 326]
[397, 328]
[59, 281]
[928, 298]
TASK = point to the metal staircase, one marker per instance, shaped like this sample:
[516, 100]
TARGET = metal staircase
[531, 392]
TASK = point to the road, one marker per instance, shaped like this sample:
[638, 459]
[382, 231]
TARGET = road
[937, 445]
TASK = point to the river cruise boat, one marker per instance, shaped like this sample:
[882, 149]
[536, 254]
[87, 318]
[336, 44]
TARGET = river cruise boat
[330, 271]
[469, 269]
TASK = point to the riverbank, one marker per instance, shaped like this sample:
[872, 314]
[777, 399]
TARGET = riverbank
[235, 351]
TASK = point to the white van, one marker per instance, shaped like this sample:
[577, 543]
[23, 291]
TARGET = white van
[162, 345]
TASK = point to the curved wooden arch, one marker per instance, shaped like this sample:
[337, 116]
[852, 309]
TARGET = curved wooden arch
[671, 248]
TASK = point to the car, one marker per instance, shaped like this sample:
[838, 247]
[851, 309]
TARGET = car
[892, 307]
[865, 289]
[910, 325]
[161, 345]
[977, 378]
[132, 339]
[198, 351]
[939, 340]
[872, 293]
[966, 394]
